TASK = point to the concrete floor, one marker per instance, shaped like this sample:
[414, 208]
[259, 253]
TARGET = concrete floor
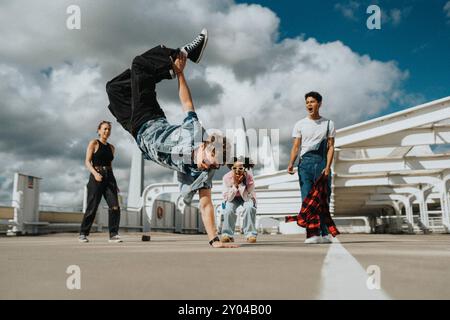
[174, 266]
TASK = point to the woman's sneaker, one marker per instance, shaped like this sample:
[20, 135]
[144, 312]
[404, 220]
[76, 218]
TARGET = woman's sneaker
[115, 239]
[82, 238]
[313, 240]
[194, 49]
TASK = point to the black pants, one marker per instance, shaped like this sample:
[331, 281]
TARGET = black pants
[132, 94]
[108, 189]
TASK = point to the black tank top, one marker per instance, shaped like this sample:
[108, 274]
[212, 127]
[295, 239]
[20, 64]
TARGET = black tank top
[103, 156]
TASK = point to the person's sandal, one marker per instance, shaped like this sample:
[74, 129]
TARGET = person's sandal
[227, 238]
[251, 239]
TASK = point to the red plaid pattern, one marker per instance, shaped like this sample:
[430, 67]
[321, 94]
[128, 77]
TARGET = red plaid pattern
[314, 205]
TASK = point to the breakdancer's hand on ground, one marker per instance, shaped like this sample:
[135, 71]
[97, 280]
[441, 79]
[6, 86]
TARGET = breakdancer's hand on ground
[219, 244]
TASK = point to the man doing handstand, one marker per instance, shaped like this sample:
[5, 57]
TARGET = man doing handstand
[185, 148]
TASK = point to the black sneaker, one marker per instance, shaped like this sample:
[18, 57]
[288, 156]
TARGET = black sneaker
[194, 49]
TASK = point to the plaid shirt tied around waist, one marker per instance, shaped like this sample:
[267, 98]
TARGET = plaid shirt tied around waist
[314, 206]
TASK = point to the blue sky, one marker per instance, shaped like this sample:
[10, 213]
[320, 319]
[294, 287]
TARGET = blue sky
[418, 40]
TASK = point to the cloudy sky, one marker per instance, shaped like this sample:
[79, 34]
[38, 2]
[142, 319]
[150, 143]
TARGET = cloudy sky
[261, 58]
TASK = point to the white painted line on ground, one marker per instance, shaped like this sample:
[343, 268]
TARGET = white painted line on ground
[343, 277]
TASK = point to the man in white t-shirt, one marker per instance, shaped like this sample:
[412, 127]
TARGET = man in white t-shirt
[314, 138]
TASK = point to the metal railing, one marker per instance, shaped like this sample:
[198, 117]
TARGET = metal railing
[53, 208]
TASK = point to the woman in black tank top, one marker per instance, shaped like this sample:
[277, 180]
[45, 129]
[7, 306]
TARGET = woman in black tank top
[99, 157]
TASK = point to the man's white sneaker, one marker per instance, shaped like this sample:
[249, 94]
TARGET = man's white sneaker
[82, 238]
[326, 239]
[313, 239]
[115, 239]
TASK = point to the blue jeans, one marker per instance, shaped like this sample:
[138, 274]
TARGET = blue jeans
[229, 217]
[309, 170]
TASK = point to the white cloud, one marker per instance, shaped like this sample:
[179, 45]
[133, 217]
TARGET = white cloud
[447, 9]
[348, 9]
[395, 16]
[74, 84]
[353, 10]
[348, 82]
[47, 118]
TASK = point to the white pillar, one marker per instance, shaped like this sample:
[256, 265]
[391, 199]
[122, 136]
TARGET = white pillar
[447, 200]
[409, 212]
[424, 213]
[447, 218]
[445, 204]
[240, 137]
[266, 156]
[398, 213]
[422, 197]
[17, 204]
[445, 209]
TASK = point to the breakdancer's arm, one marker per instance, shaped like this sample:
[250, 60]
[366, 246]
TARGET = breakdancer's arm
[207, 211]
[183, 89]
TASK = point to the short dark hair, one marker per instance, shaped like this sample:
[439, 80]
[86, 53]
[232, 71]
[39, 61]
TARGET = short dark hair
[314, 95]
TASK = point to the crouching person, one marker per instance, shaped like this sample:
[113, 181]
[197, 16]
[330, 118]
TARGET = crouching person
[239, 191]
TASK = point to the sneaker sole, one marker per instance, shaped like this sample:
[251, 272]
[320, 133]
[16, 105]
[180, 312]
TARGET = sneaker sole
[315, 242]
[203, 48]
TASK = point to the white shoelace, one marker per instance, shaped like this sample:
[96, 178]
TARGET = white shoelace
[194, 43]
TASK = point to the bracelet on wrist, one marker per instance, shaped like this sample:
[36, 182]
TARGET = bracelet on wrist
[216, 239]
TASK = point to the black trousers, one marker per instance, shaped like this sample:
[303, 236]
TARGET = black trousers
[132, 94]
[96, 190]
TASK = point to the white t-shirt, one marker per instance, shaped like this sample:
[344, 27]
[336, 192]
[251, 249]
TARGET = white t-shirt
[312, 132]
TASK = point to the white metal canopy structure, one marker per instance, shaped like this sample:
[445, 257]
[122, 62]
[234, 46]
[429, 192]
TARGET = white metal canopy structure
[386, 164]
[389, 162]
